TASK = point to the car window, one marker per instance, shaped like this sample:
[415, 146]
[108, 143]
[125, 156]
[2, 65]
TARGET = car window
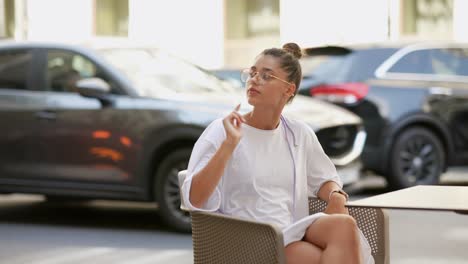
[233, 77]
[453, 61]
[357, 66]
[181, 76]
[64, 68]
[327, 69]
[158, 74]
[418, 62]
[15, 69]
[449, 61]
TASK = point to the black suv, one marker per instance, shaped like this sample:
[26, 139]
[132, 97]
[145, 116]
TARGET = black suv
[413, 100]
[119, 123]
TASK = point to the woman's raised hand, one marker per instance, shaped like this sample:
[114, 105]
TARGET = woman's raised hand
[232, 125]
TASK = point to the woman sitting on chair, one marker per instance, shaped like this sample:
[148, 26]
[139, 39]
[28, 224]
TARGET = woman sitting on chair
[263, 166]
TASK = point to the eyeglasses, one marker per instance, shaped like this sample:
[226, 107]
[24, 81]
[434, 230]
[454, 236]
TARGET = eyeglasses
[248, 74]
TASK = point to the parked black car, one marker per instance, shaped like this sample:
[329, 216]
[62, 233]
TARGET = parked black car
[119, 123]
[413, 100]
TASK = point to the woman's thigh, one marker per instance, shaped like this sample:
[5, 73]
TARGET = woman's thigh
[302, 252]
[330, 227]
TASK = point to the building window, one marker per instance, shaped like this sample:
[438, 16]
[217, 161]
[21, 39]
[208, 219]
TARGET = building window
[7, 20]
[252, 18]
[112, 18]
[427, 18]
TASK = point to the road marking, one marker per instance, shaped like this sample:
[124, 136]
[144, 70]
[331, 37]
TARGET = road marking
[160, 257]
[78, 254]
[459, 234]
[428, 261]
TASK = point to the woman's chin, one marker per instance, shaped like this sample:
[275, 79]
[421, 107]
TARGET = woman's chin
[252, 100]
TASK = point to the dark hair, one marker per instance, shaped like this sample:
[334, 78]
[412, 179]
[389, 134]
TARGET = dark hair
[289, 57]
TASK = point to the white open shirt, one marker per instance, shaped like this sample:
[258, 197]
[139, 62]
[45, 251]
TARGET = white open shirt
[258, 180]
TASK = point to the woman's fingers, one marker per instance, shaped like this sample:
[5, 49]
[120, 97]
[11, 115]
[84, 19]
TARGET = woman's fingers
[235, 118]
[232, 125]
[237, 113]
[336, 209]
[239, 118]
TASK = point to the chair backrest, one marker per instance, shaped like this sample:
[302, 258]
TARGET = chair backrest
[373, 223]
[181, 177]
[219, 238]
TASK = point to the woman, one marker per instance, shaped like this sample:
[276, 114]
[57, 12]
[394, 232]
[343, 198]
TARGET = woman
[263, 166]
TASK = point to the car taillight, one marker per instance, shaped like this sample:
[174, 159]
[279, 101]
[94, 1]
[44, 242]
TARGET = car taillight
[344, 93]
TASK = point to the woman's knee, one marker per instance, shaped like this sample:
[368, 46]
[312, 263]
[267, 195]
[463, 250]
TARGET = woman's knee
[330, 228]
[345, 230]
[302, 252]
[342, 223]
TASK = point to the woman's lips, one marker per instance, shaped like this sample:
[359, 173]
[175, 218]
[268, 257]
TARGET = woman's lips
[253, 91]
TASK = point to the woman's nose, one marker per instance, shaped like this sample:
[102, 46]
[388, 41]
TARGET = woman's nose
[256, 78]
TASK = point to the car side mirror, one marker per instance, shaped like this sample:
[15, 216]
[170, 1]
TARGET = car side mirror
[95, 88]
[92, 87]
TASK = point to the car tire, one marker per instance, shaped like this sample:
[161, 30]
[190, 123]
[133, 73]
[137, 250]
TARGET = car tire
[417, 158]
[166, 190]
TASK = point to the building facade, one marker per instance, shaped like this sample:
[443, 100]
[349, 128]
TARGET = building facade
[229, 33]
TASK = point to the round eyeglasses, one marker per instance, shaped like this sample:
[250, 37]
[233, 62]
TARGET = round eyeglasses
[264, 77]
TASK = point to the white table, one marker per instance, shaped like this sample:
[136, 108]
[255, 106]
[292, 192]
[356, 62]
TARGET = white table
[421, 197]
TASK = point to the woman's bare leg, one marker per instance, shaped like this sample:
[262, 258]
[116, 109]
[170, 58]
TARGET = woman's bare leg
[302, 252]
[338, 236]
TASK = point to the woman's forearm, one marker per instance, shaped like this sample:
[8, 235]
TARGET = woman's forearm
[206, 180]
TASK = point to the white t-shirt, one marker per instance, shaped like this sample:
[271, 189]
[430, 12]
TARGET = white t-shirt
[269, 176]
[260, 177]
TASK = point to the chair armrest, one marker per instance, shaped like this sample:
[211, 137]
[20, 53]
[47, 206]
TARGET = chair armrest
[373, 223]
[224, 239]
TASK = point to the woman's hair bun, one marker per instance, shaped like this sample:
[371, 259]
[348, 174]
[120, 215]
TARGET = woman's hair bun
[294, 49]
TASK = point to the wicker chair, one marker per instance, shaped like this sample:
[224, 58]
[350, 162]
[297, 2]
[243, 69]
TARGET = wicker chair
[220, 238]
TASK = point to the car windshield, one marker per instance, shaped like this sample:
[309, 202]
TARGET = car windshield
[327, 69]
[157, 74]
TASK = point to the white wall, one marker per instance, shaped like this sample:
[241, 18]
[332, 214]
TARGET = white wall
[60, 20]
[314, 22]
[191, 29]
[395, 19]
[460, 20]
[2, 19]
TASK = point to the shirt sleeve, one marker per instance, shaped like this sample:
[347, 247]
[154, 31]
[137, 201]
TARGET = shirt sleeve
[203, 151]
[320, 169]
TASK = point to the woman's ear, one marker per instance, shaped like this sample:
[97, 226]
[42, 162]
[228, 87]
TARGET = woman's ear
[292, 90]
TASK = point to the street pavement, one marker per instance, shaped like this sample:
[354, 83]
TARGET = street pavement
[34, 231]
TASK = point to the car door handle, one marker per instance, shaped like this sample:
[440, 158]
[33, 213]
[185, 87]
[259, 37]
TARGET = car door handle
[440, 91]
[46, 114]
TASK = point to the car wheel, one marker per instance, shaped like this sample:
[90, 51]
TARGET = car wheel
[417, 157]
[166, 190]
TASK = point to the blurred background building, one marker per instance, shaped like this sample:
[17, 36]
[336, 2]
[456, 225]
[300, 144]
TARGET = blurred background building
[229, 33]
